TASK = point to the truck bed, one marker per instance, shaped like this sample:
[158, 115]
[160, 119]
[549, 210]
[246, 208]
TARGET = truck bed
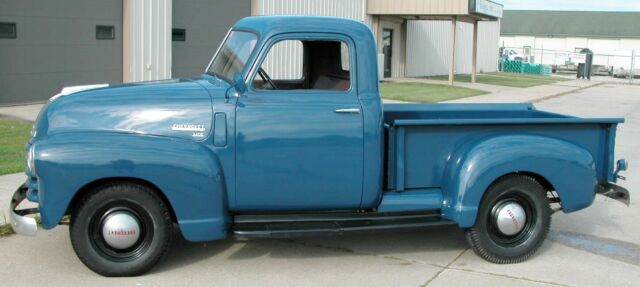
[421, 138]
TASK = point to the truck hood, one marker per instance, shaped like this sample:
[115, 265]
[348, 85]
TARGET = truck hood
[178, 108]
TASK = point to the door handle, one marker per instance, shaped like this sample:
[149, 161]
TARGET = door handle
[348, 111]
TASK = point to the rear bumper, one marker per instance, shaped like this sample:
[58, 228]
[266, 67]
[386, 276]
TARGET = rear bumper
[20, 222]
[615, 192]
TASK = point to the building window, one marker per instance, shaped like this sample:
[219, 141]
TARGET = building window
[105, 32]
[8, 30]
[178, 35]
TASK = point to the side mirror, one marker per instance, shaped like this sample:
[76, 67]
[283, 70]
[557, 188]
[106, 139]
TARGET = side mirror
[239, 84]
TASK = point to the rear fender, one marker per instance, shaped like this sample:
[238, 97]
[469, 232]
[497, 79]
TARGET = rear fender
[476, 165]
[186, 172]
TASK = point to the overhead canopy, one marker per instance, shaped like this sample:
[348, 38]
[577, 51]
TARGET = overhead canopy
[436, 9]
[470, 11]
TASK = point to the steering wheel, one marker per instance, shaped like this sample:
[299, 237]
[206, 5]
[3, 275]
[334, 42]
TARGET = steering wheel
[265, 77]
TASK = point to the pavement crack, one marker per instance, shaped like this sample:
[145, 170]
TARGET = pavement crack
[449, 267]
[509, 276]
[443, 268]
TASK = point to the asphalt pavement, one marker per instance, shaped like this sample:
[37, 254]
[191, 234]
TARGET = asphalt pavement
[598, 246]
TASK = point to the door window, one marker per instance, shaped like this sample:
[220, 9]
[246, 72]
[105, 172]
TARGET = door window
[305, 65]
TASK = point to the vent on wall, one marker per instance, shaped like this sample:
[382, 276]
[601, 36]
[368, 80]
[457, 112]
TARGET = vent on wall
[105, 32]
[8, 30]
[178, 35]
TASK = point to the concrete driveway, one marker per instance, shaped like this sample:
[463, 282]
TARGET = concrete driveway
[599, 246]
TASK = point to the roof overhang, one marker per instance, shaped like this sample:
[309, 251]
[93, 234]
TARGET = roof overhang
[436, 9]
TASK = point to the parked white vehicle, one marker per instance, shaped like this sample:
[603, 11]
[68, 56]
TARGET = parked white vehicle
[513, 55]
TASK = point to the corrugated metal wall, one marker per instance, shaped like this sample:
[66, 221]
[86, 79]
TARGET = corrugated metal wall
[147, 42]
[206, 23]
[429, 43]
[56, 46]
[352, 9]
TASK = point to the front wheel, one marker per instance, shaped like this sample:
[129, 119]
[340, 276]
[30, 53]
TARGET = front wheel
[121, 229]
[513, 221]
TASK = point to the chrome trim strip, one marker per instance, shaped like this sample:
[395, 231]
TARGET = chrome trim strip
[348, 111]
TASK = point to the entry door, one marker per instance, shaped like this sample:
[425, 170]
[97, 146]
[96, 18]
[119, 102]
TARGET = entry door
[387, 44]
[298, 148]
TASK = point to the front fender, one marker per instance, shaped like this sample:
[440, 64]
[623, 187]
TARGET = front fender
[186, 172]
[477, 164]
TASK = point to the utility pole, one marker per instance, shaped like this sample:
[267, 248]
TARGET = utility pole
[474, 57]
[633, 62]
[452, 63]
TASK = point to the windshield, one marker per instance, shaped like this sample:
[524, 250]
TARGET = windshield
[233, 55]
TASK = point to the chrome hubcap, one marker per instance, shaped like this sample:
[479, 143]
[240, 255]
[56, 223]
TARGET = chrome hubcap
[121, 230]
[510, 218]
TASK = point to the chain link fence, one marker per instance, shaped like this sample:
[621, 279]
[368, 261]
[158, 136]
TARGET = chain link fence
[619, 65]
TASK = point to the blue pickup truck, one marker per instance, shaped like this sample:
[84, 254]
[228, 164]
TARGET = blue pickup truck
[285, 134]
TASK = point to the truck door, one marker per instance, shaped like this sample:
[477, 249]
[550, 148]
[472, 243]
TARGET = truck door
[299, 128]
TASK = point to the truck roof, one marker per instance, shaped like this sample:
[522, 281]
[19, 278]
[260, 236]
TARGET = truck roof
[266, 25]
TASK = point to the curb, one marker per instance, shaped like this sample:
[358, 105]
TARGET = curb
[557, 95]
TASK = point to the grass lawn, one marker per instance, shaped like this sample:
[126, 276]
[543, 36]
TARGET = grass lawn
[6, 230]
[426, 93]
[507, 79]
[13, 136]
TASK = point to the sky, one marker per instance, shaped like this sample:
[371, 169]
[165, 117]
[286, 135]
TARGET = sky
[579, 5]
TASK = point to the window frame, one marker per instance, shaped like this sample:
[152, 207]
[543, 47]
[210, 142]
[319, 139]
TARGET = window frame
[113, 32]
[313, 36]
[15, 30]
[184, 34]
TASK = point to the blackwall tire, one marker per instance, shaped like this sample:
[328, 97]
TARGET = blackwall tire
[110, 249]
[499, 244]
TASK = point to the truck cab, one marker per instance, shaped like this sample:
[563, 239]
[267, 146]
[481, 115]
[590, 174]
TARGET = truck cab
[286, 134]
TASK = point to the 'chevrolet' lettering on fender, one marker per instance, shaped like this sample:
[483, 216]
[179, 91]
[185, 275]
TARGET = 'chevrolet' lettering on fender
[188, 127]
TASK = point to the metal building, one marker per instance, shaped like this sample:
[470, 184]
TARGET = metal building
[46, 45]
[548, 35]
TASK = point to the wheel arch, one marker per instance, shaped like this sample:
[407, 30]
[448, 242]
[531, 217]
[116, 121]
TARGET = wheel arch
[546, 184]
[110, 180]
[188, 176]
[556, 164]
[540, 179]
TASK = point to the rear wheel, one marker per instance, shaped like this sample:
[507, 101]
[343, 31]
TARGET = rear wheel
[121, 229]
[513, 220]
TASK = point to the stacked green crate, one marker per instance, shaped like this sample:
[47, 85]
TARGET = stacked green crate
[525, 68]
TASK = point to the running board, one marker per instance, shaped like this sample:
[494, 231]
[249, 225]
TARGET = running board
[298, 225]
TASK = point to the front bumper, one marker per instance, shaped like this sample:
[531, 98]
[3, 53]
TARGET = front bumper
[20, 222]
[615, 192]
